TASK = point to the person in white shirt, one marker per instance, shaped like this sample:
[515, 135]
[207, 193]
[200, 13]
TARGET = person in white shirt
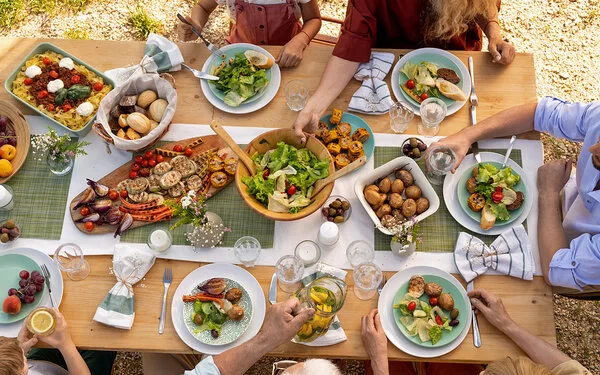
[569, 243]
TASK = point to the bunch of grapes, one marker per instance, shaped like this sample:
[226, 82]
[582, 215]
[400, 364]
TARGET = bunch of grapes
[7, 135]
[29, 285]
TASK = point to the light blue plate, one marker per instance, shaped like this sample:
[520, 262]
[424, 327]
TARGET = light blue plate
[10, 266]
[356, 122]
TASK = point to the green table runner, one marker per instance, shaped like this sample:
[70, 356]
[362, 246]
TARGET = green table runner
[439, 231]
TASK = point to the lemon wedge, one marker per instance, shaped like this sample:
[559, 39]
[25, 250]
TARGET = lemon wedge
[259, 59]
[450, 90]
[41, 322]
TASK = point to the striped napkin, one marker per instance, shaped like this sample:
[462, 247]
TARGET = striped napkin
[129, 266]
[373, 96]
[335, 334]
[509, 254]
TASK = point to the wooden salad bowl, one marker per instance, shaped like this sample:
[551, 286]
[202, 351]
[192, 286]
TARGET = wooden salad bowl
[268, 141]
[17, 122]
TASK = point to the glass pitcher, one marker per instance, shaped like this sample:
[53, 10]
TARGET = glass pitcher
[326, 295]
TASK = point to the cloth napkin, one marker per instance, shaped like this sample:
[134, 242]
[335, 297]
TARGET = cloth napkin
[161, 55]
[509, 254]
[373, 96]
[335, 334]
[129, 266]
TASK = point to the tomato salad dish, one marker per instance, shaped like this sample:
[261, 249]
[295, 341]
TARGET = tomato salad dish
[426, 79]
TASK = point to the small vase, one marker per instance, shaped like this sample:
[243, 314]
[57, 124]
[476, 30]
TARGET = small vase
[61, 164]
[205, 236]
[401, 249]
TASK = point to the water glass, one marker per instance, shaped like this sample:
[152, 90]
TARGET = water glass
[367, 277]
[247, 249]
[359, 252]
[433, 111]
[440, 161]
[7, 201]
[289, 270]
[70, 260]
[400, 117]
[308, 251]
[160, 240]
[296, 95]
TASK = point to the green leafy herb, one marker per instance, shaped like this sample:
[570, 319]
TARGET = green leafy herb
[435, 333]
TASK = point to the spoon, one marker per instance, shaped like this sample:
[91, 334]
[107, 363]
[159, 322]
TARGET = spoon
[320, 184]
[217, 128]
[509, 149]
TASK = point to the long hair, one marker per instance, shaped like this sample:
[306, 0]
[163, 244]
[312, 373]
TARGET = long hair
[11, 357]
[445, 19]
[516, 366]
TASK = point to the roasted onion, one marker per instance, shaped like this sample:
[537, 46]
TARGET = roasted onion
[102, 206]
[214, 286]
[124, 224]
[88, 197]
[94, 218]
[101, 190]
[113, 216]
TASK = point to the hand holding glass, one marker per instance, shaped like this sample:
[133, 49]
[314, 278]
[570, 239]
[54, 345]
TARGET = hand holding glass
[440, 161]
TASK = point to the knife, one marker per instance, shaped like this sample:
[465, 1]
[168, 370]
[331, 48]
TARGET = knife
[273, 290]
[476, 335]
[474, 102]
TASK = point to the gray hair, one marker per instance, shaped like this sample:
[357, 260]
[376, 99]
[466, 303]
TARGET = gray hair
[319, 367]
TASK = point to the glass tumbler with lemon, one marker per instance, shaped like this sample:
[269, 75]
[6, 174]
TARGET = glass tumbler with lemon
[41, 322]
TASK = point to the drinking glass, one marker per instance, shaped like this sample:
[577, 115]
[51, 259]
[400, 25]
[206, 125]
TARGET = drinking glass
[433, 111]
[309, 252]
[296, 95]
[440, 161]
[400, 117]
[70, 260]
[367, 277]
[160, 240]
[289, 270]
[359, 252]
[247, 249]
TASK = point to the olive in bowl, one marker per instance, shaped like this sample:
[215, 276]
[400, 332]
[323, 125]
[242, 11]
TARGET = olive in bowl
[337, 209]
[414, 148]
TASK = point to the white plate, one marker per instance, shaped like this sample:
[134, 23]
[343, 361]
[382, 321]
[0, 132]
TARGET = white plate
[56, 281]
[387, 316]
[465, 83]
[388, 168]
[230, 271]
[457, 212]
[244, 107]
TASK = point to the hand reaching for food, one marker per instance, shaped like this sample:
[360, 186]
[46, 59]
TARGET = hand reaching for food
[306, 122]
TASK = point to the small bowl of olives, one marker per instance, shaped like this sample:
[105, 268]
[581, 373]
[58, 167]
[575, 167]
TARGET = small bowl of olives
[336, 209]
[414, 148]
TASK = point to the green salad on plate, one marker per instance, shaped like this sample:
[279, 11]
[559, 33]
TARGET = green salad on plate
[239, 79]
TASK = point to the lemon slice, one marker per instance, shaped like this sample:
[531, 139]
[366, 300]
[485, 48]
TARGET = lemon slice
[450, 90]
[258, 59]
[41, 322]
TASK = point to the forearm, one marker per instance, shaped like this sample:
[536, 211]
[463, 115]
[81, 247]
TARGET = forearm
[75, 364]
[238, 360]
[338, 72]
[489, 24]
[551, 235]
[515, 120]
[202, 10]
[311, 27]
[380, 366]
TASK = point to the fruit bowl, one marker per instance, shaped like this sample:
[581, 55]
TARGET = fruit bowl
[18, 125]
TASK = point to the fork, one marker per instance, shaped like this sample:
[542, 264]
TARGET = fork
[199, 74]
[474, 100]
[46, 274]
[211, 47]
[381, 285]
[167, 280]
[476, 335]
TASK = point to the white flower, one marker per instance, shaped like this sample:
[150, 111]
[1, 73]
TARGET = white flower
[191, 193]
[186, 201]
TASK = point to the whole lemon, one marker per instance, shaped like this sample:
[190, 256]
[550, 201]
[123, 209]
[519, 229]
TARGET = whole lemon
[6, 168]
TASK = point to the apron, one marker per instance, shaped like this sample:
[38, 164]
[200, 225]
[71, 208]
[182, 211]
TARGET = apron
[260, 24]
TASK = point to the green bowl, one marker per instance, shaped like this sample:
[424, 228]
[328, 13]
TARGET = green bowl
[356, 122]
[459, 303]
[10, 266]
[463, 197]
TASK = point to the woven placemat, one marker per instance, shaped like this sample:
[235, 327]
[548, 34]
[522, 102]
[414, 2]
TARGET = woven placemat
[439, 231]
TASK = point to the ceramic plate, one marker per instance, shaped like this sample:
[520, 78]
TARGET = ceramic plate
[392, 331]
[441, 58]
[231, 330]
[463, 197]
[215, 97]
[459, 303]
[234, 273]
[452, 184]
[10, 266]
[356, 122]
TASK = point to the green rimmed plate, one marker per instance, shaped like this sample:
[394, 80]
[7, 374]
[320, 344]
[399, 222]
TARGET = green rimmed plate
[231, 330]
[460, 303]
[10, 266]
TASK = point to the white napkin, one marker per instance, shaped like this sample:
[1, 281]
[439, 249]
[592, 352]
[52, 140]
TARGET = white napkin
[129, 266]
[373, 96]
[335, 334]
[509, 254]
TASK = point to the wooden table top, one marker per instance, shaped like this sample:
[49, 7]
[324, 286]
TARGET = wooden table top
[529, 303]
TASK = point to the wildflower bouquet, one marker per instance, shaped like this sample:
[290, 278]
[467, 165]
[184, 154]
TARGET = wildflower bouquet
[406, 232]
[57, 148]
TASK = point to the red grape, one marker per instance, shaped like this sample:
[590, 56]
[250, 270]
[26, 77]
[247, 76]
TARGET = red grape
[39, 287]
[39, 280]
[35, 274]
[29, 299]
[12, 141]
[24, 275]
[30, 290]
[12, 292]
[23, 283]
[3, 121]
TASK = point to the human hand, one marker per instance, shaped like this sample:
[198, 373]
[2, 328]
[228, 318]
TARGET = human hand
[306, 121]
[26, 339]
[502, 51]
[60, 338]
[491, 307]
[375, 341]
[290, 55]
[283, 321]
[553, 176]
[185, 31]
[459, 144]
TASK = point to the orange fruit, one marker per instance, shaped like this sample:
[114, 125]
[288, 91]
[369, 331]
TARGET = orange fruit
[6, 168]
[8, 152]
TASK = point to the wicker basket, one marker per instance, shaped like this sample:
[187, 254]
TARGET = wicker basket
[17, 122]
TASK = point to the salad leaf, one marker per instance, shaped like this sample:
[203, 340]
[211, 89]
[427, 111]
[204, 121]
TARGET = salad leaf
[404, 309]
[447, 326]
[499, 210]
[431, 67]
[239, 80]
[507, 177]
[423, 77]
[485, 189]
[410, 70]
[435, 333]
[259, 187]
[486, 171]
[426, 307]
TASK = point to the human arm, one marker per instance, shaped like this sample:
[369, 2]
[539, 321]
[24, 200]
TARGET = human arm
[502, 51]
[536, 348]
[375, 343]
[200, 13]
[26, 339]
[291, 54]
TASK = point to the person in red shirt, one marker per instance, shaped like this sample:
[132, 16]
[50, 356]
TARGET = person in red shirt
[410, 24]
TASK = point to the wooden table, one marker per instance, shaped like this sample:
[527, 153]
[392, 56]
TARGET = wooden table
[529, 303]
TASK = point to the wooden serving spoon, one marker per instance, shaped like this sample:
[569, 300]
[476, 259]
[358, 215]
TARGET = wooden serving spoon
[320, 184]
[217, 128]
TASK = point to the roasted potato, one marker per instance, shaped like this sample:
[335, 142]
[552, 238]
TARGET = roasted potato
[397, 186]
[476, 202]
[471, 185]
[233, 295]
[475, 171]
[396, 200]
[236, 312]
[433, 289]
[413, 192]
[416, 286]
[385, 209]
[422, 205]
[385, 185]
[389, 221]
[409, 208]
[397, 214]
[371, 187]
[372, 197]
[406, 177]
[446, 301]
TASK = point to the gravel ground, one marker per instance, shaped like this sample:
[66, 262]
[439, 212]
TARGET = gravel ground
[563, 35]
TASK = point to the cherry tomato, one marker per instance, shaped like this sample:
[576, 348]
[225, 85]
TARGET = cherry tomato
[291, 190]
[89, 226]
[499, 189]
[113, 194]
[123, 193]
[438, 320]
[160, 158]
[152, 163]
[145, 172]
[266, 173]
[98, 86]
[135, 167]
[138, 159]
[53, 74]
[42, 94]
[149, 155]
[424, 96]
[144, 163]
[188, 152]
[47, 61]
[84, 211]
[28, 81]
[412, 306]
[75, 78]
[178, 148]
[50, 107]
[410, 84]
[133, 174]
[433, 301]
[66, 107]
[497, 197]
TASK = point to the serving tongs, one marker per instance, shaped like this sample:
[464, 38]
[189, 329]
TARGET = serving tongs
[211, 47]
[218, 129]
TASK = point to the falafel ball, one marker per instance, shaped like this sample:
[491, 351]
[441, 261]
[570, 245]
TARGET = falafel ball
[236, 312]
[233, 295]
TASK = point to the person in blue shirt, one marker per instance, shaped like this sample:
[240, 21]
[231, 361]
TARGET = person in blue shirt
[569, 207]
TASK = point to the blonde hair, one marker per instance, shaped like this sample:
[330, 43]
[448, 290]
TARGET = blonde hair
[516, 366]
[11, 357]
[445, 19]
